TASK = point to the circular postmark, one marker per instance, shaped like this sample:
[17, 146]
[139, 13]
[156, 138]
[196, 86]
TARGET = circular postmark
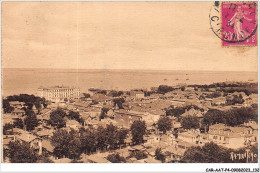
[234, 22]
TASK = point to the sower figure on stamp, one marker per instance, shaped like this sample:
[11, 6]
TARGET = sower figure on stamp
[236, 21]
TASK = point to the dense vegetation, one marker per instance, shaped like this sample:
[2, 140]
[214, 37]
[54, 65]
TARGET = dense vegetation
[235, 100]
[119, 102]
[213, 153]
[177, 111]
[29, 101]
[138, 155]
[190, 122]
[138, 130]
[231, 117]
[159, 155]
[57, 118]
[21, 152]
[247, 88]
[72, 144]
[116, 158]
[164, 124]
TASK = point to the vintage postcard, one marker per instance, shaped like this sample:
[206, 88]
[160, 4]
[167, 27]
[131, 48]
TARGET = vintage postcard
[130, 82]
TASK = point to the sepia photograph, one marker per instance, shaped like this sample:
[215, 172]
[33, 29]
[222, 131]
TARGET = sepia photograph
[129, 82]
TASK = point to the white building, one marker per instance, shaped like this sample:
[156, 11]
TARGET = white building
[137, 94]
[59, 93]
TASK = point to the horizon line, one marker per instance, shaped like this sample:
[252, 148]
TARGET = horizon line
[125, 69]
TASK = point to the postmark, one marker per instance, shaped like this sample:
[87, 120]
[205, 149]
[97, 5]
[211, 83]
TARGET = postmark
[235, 23]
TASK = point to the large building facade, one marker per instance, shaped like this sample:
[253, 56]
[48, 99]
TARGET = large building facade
[59, 93]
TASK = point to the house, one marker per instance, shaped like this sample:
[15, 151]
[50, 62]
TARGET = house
[10, 119]
[62, 160]
[34, 109]
[137, 94]
[192, 112]
[126, 118]
[95, 158]
[176, 125]
[19, 112]
[183, 145]
[45, 133]
[151, 160]
[80, 106]
[219, 101]
[136, 148]
[151, 127]
[151, 139]
[254, 126]
[44, 118]
[148, 117]
[191, 136]
[17, 104]
[34, 141]
[131, 160]
[46, 146]
[254, 98]
[73, 124]
[178, 102]
[7, 139]
[231, 137]
[151, 151]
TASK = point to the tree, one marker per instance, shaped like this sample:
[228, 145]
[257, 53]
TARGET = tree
[182, 88]
[159, 155]
[56, 118]
[6, 106]
[88, 140]
[211, 117]
[116, 158]
[102, 92]
[29, 100]
[138, 155]
[45, 104]
[101, 138]
[121, 136]
[9, 109]
[103, 113]
[114, 93]
[138, 129]
[164, 124]
[31, 120]
[177, 111]
[86, 95]
[5, 103]
[18, 123]
[190, 122]
[38, 107]
[162, 89]
[66, 144]
[21, 152]
[73, 115]
[209, 153]
[74, 145]
[232, 117]
[7, 127]
[236, 100]
[29, 105]
[112, 137]
[119, 102]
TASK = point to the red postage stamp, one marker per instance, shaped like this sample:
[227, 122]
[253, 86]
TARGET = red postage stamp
[239, 23]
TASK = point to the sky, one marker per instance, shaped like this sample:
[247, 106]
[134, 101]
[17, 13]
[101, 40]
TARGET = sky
[117, 35]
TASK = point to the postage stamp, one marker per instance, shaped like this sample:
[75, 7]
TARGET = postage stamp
[239, 23]
[235, 23]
